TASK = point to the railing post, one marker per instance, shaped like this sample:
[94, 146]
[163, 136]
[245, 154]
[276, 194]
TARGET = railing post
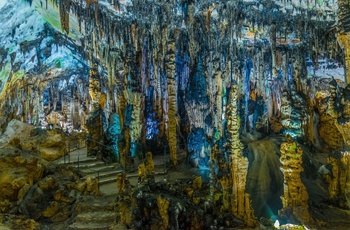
[98, 180]
[164, 158]
[78, 162]
[64, 155]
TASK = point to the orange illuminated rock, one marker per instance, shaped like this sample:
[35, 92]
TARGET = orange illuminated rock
[240, 202]
[339, 179]
[295, 196]
[17, 172]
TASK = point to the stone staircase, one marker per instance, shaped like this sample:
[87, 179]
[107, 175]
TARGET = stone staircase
[106, 173]
[96, 213]
[95, 168]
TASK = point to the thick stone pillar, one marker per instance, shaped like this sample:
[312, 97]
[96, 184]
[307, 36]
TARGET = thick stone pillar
[95, 118]
[344, 42]
[240, 201]
[295, 196]
[172, 99]
[339, 178]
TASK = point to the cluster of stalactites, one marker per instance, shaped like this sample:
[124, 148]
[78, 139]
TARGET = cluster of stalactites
[122, 46]
[344, 33]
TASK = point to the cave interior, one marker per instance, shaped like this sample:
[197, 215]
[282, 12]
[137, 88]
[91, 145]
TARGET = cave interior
[174, 114]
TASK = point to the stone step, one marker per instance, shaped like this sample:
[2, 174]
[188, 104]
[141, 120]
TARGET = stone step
[95, 204]
[98, 226]
[95, 220]
[104, 174]
[108, 179]
[100, 168]
[94, 164]
[90, 226]
[96, 217]
[112, 178]
[105, 168]
[81, 161]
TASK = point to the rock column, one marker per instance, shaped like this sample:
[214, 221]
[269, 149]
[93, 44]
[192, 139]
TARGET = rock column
[172, 99]
[95, 119]
[295, 196]
[344, 34]
[240, 203]
[339, 178]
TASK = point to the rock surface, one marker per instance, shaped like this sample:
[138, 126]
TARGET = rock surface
[46, 144]
[295, 197]
[19, 171]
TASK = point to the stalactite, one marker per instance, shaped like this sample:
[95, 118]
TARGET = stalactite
[64, 6]
[344, 34]
[248, 65]
[273, 49]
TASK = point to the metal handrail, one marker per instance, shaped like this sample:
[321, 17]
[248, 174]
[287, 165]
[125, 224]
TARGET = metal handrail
[68, 149]
[79, 145]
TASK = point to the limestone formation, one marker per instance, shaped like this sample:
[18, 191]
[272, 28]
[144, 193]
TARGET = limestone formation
[149, 163]
[171, 97]
[338, 179]
[295, 196]
[163, 206]
[19, 171]
[240, 202]
[96, 118]
[47, 144]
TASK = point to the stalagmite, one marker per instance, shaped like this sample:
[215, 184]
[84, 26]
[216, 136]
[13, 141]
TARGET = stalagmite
[135, 128]
[240, 202]
[163, 207]
[172, 98]
[295, 197]
[64, 6]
